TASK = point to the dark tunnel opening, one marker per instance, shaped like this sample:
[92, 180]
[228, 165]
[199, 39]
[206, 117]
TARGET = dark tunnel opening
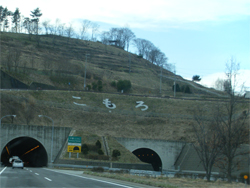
[29, 150]
[149, 156]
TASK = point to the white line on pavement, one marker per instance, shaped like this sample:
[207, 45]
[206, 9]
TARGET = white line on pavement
[36, 174]
[48, 179]
[3, 170]
[120, 185]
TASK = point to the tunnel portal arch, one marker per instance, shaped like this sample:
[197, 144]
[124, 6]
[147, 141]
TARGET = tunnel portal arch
[167, 151]
[28, 149]
[149, 156]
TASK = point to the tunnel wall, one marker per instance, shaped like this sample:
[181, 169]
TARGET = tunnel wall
[168, 151]
[43, 134]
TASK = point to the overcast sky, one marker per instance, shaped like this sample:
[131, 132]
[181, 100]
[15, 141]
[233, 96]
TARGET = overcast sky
[198, 36]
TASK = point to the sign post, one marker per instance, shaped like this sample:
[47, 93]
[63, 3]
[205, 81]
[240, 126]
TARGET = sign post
[245, 177]
[74, 145]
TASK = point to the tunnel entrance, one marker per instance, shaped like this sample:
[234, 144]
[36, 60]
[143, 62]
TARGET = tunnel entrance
[149, 156]
[29, 150]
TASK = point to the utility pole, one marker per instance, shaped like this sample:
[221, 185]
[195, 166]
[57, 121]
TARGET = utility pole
[174, 82]
[85, 72]
[161, 79]
[129, 62]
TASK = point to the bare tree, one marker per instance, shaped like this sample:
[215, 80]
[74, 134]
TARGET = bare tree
[29, 26]
[128, 36]
[219, 140]
[105, 36]
[21, 24]
[143, 47]
[207, 143]
[56, 29]
[61, 29]
[161, 60]
[56, 26]
[46, 26]
[219, 84]
[85, 25]
[51, 29]
[231, 124]
[69, 31]
[94, 29]
[118, 35]
[153, 54]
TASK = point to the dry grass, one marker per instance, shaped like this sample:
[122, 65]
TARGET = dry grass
[126, 155]
[105, 62]
[88, 138]
[167, 119]
[169, 182]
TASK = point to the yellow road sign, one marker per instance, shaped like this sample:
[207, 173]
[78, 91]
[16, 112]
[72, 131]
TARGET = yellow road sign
[245, 177]
[74, 149]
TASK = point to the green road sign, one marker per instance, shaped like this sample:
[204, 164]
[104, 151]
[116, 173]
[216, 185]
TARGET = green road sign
[74, 140]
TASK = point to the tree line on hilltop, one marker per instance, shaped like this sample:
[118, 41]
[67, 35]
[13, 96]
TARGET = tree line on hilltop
[121, 37]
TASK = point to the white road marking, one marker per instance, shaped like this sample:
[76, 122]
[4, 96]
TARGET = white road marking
[36, 174]
[48, 179]
[30, 170]
[3, 170]
[92, 179]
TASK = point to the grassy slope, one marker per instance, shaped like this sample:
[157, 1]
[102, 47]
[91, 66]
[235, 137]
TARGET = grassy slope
[167, 119]
[106, 63]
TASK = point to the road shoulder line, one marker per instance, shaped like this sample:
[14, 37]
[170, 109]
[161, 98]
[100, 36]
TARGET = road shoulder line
[3, 170]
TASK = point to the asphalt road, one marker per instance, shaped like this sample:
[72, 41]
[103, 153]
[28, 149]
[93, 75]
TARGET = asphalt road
[49, 178]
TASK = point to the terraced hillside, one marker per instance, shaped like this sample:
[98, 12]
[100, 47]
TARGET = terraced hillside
[59, 62]
[45, 71]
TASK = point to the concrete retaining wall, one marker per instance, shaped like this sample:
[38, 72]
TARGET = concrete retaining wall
[168, 151]
[43, 134]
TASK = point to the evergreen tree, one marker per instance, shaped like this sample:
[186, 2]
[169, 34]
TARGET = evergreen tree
[98, 144]
[4, 17]
[196, 78]
[16, 19]
[36, 14]
[124, 85]
[116, 153]
[1, 16]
